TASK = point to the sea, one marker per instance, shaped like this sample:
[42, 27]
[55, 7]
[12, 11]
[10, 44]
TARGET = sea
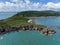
[32, 37]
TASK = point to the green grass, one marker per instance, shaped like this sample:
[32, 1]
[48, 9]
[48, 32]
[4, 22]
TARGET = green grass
[37, 13]
[19, 18]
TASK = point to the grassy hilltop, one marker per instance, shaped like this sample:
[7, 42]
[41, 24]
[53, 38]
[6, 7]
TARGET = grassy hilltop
[19, 21]
[38, 13]
[19, 18]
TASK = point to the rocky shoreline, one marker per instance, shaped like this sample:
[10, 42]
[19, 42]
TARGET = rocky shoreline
[42, 30]
[17, 23]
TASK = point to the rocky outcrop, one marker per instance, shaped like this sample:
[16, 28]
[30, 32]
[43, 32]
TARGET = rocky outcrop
[44, 31]
[48, 31]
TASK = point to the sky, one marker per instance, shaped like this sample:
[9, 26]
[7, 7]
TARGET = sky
[24, 5]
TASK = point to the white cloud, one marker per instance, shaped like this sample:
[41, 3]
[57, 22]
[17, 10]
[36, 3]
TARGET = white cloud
[27, 2]
[37, 5]
[6, 6]
[19, 5]
[51, 5]
[16, 1]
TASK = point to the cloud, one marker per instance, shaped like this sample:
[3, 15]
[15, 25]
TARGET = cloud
[16, 1]
[20, 5]
[27, 1]
[53, 5]
[6, 6]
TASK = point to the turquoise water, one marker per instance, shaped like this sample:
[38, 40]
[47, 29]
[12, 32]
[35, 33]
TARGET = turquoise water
[34, 37]
[26, 38]
[6, 15]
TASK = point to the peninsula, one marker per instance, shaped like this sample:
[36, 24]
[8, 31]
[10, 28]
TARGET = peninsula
[19, 22]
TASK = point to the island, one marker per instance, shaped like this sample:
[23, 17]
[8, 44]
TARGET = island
[20, 22]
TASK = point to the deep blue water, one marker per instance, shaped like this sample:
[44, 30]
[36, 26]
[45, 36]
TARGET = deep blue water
[34, 37]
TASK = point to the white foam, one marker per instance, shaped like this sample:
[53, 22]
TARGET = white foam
[19, 31]
[53, 38]
[1, 38]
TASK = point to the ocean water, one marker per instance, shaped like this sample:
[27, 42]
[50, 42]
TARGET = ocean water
[34, 37]
[4, 15]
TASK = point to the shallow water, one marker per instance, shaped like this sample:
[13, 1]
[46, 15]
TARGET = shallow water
[51, 22]
[26, 38]
[34, 37]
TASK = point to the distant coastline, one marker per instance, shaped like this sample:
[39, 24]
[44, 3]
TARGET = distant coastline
[41, 17]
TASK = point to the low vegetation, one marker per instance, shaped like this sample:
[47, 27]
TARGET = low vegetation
[19, 20]
[37, 13]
